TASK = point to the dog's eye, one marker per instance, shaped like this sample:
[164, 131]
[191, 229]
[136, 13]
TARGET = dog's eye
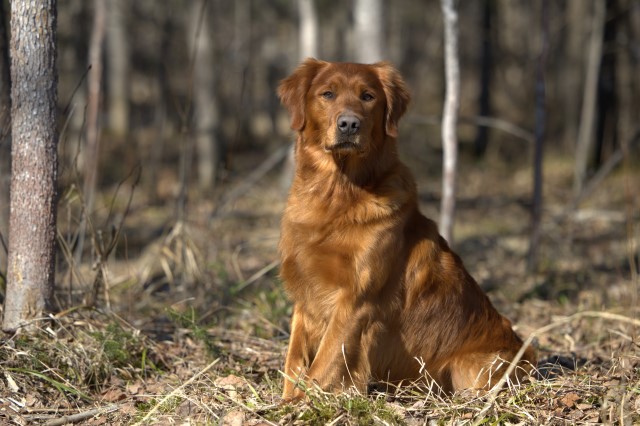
[366, 97]
[328, 94]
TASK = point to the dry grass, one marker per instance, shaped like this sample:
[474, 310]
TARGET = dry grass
[89, 360]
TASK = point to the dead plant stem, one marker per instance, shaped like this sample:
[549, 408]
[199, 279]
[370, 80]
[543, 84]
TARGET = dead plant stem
[175, 392]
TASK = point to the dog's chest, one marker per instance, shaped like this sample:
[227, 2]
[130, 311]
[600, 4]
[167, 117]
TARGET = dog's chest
[322, 261]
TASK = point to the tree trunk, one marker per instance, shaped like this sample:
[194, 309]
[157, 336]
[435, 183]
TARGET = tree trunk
[5, 140]
[30, 276]
[540, 123]
[308, 29]
[486, 65]
[206, 118]
[368, 31]
[91, 153]
[572, 71]
[450, 120]
[586, 128]
[94, 79]
[608, 114]
[308, 35]
[117, 72]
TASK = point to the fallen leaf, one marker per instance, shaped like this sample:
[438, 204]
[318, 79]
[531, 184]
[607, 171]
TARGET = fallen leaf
[134, 388]
[233, 418]
[593, 417]
[186, 409]
[575, 415]
[113, 395]
[13, 386]
[570, 399]
[230, 381]
[230, 384]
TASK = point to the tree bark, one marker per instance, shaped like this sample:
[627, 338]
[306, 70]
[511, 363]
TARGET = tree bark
[5, 140]
[450, 120]
[30, 276]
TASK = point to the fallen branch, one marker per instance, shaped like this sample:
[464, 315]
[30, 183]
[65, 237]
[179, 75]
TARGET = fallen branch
[482, 121]
[244, 186]
[75, 418]
[255, 277]
[589, 187]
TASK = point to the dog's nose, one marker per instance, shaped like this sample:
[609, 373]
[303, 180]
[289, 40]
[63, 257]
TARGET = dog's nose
[348, 124]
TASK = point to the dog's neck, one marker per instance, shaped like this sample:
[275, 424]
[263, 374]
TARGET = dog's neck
[359, 170]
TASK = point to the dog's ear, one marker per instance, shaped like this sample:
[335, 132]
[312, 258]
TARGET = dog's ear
[293, 90]
[397, 94]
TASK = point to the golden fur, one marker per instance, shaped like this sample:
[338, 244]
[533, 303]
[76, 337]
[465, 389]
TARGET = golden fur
[375, 287]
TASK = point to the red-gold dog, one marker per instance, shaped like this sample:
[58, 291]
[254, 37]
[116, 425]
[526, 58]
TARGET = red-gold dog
[375, 287]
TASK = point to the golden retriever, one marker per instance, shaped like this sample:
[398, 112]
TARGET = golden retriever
[378, 294]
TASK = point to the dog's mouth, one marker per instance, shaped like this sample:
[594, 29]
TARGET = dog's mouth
[344, 146]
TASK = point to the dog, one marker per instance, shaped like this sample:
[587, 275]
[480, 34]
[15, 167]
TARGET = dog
[378, 294]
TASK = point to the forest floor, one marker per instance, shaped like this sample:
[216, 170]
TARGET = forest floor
[188, 322]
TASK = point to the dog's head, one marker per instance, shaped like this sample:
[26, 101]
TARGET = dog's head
[345, 107]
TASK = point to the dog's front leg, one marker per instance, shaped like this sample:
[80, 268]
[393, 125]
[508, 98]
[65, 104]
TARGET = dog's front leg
[341, 359]
[297, 360]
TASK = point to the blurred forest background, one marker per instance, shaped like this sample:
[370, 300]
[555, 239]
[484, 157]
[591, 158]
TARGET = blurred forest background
[169, 117]
[173, 146]
[170, 120]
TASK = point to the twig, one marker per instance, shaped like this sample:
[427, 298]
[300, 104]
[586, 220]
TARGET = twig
[74, 418]
[175, 391]
[493, 394]
[255, 277]
[604, 171]
[243, 187]
[500, 124]
[479, 120]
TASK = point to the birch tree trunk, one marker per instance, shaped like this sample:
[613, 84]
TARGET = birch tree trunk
[308, 48]
[572, 69]
[118, 68]
[206, 115]
[308, 29]
[32, 222]
[450, 120]
[368, 31]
